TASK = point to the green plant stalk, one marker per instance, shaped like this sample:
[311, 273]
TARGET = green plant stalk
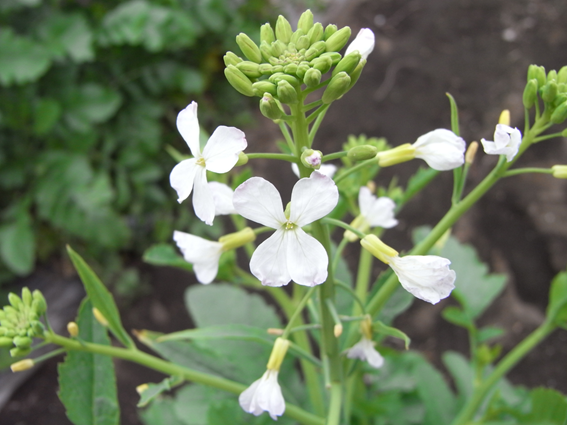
[518, 171]
[296, 314]
[354, 169]
[335, 155]
[507, 363]
[169, 368]
[279, 156]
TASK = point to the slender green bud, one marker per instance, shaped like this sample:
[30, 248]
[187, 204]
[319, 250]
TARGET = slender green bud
[238, 80]
[15, 301]
[302, 69]
[552, 75]
[295, 36]
[311, 158]
[562, 75]
[26, 297]
[231, 59]
[560, 171]
[265, 69]
[264, 86]
[549, 91]
[19, 352]
[348, 64]
[560, 114]
[315, 50]
[316, 33]
[270, 107]
[242, 159]
[360, 153]
[266, 50]
[286, 92]
[323, 64]
[305, 22]
[6, 342]
[562, 87]
[338, 40]
[249, 48]
[278, 47]
[530, 94]
[337, 87]
[397, 155]
[250, 69]
[283, 29]
[355, 75]
[238, 239]
[302, 42]
[539, 75]
[312, 77]
[280, 76]
[559, 99]
[335, 57]
[267, 34]
[330, 30]
[22, 341]
[41, 306]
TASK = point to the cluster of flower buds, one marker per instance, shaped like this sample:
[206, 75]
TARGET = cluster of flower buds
[286, 60]
[551, 87]
[19, 322]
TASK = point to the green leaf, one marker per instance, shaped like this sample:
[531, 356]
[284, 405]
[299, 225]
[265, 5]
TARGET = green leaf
[21, 59]
[239, 332]
[549, 407]
[462, 374]
[193, 403]
[161, 412]
[47, 112]
[90, 104]
[164, 254]
[67, 34]
[557, 308]
[399, 302]
[440, 403]
[390, 331]
[457, 317]
[154, 390]
[87, 382]
[101, 298]
[17, 245]
[488, 333]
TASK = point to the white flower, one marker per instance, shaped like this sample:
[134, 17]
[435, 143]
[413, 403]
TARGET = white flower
[426, 277]
[328, 170]
[441, 149]
[290, 253]
[378, 212]
[264, 394]
[364, 350]
[219, 156]
[364, 43]
[203, 254]
[222, 197]
[507, 141]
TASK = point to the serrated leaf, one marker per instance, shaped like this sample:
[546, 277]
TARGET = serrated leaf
[154, 390]
[164, 254]
[549, 407]
[17, 245]
[390, 331]
[440, 403]
[100, 297]
[87, 382]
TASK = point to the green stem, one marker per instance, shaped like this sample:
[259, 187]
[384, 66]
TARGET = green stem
[548, 136]
[339, 223]
[321, 112]
[335, 155]
[298, 309]
[285, 131]
[280, 156]
[354, 169]
[335, 405]
[517, 171]
[338, 254]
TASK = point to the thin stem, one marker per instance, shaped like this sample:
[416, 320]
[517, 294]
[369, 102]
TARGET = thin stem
[321, 112]
[285, 131]
[517, 171]
[298, 309]
[335, 155]
[280, 156]
[354, 169]
[338, 254]
[339, 223]
[352, 293]
[548, 136]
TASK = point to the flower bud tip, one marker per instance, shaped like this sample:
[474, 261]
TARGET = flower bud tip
[22, 365]
[100, 317]
[141, 388]
[471, 152]
[275, 331]
[504, 117]
[73, 329]
[338, 330]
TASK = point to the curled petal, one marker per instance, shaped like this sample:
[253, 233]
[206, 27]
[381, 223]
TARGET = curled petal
[222, 149]
[441, 149]
[307, 260]
[203, 202]
[426, 277]
[507, 141]
[264, 394]
[365, 351]
[222, 196]
[203, 254]
[188, 127]
[312, 198]
[364, 43]
[376, 211]
[182, 177]
[258, 200]
[269, 262]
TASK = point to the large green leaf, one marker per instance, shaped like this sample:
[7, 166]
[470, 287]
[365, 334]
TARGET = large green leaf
[231, 331]
[90, 104]
[161, 412]
[100, 297]
[17, 245]
[549, 407]
[21, 59]
[67, 34]
[164, 254]
[155, 390]
[87, 382]
[440, 403]
[462, 374]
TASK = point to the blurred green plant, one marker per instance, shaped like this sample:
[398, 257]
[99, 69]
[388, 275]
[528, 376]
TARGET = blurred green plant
[89, 91]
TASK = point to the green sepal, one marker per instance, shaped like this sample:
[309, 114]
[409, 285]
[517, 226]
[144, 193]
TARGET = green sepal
[267, 34]
[249, 48]
[238, 80]
[316, 33]
[305, 22]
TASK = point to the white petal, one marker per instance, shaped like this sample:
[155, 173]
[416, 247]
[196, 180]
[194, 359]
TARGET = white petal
[203, 254]
[328, 170]
[264, 394]
[312, 198]
[365, 351]
[269, 262]
[203, 202]
[507, 141]
[222, 149]
[441, 149]
[427, 277]
[247, 399]
[364, 43]
[295, 169]
[381, 214]
[222, 196]
[182, 177]
[258, 200]
[188, 126]
[307, 259]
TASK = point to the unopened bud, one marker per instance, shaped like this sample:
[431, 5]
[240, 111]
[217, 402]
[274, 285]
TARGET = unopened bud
[330, 30]
[249, 48]
[27, 297]
[142, 388]
[323, 63]
[286, 93]
[348, 64]
[238, 80]
[537, 72]
[311, 158]
[261, 87]
[338, 330]
[360, 153]
[231, 59]
[305, 22]
[335, 56]
[315, 50]
[552, 75]
[275, 331]
[73, 329]
[6, 342]
[562, 75]
[312, 77]
[378, 248]
[19, 352]
[316, 33]
[559, 171]
[242, 159]
[22, 365]
[22, 341]
[283, 29]
[302, 42]
[530, 94]
[471, 152]
[337, 87]
[290, 68]
[560, 114]
[278, 354]
[504, 117]
[100, 317]
[39, 305]
[238, 239]
[549, 91]
[338, 40]
[355, 75]
[295, 37]
[267, 34]
[359, 223]
[397, 155]
[266, 50]
[15, 301]
[250, 69]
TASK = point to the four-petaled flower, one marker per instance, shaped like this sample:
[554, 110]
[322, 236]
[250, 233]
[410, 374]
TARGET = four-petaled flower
[364, 350]
[219, 155]
[441, 149]
[290, 253]
[264, 395]
[364, 43]
[507, 141]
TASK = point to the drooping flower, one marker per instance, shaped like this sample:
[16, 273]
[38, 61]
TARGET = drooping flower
[374, 212]
[365, 351]
[507, 141]
[290, 253]
[219, 155]
[222, 197]
[364, 43]
[427, 277]
[328, 170]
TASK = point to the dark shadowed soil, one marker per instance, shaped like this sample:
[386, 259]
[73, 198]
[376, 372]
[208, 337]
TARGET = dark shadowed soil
[478, 50]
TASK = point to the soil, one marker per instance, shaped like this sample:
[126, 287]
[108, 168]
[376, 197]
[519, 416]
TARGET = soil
[478, 50]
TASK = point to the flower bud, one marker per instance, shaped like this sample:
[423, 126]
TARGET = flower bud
[552, 75]
[22, 365]
[286, 93]
[261, 87]
[15, 301]
[360, 153]
[311, 158]
[471, 152]
[504, 117]
[305, 22]
[266, 50]
[359, 223]
[22, 341]
[330, 30]
[335, 56]
[378, 248]
[549, 91]
[559, 171]
[355, 75]
[397, 155]
[278, 354]
[238, 80]
[337, 87]
[338, 330]
[267, 34]
[26, 297]
[294, 37]
[539, 75]
[250, 69]
[19, 352]
[231, 59]
[6, 342]
[265, 69]
[312, 77]
[348, 63]
[242, 159]
[315, 34]
[338, 40]
[283, 30]
[562, 75]
[278, 48]
[560, 114]
[238, 239]
[559, 99]
[322, 63]
[302, 69]
[280, 76]
[249, 48]
[530, 93]
[270, 107]
[100, 317]
[290, 68]
[39, 305]
[302, 42]
[315, 50]
[73, 329]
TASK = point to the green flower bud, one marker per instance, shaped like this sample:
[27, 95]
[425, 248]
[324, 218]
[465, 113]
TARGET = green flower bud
[265, 69]
[348, 63]
[560, 171]
[231, 59]
[330, 30]
[302, 69]
[261, 87]
[337, 87]
[311, 158]
[291, 68]
[530, 94]
[38, 298]
[335, 57]
[295, 36]
[302, 42]
[559, 99]
[238, 80]
[6, 342]
[37, 328]
[355, 75]
[250, 69]
[562, 75]
[286, 93]
[315, 50]
[316, 33]
[323, 64]
[278, 48]
[20, 352]
[549, 91]
[242, 159]
[312, 77]
[338, 40]
[283, 30]
[15, 301]
[26, 296]
[22, 342]
[2, 331]
[270, 107]
[267, 34]
[10, 333]
[561, 87]
[552, 75]
[249, 48]
[305, 22]
[277, 69]
[238, 239]
[266, 50]
[279, 76]
[560, 114]
[360, 153]
[539, 75]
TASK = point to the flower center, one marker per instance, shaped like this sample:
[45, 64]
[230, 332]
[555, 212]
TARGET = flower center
[201, 162]
[289, 225]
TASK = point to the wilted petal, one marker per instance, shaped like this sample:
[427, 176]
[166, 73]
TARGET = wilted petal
[269, 262]
[312, 198]
[258, 200]
[222, 196]
[182, 177]
[188, 126]
[307, 259]
[364, 43]
[441, 149]
[365, 351]
[222, 149]
[264, 394]
[507, 141]
[426, 277]
[203, 202]
[378, 212]
[203, 254]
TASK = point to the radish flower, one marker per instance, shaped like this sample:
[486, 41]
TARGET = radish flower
[264, 395]
[374, 212]
[364, 43]
[507, 141]
[364, 350]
